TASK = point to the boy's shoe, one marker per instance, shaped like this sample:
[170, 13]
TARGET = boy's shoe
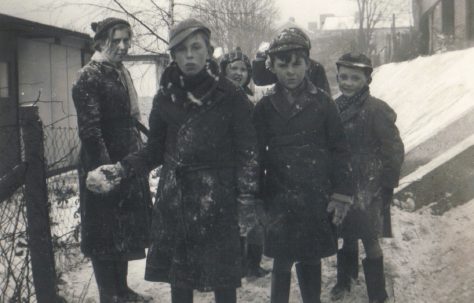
[132, 296]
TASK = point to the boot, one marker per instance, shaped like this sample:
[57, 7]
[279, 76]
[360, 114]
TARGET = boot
[254, 257]
[347, 270]
[280, 289]
[125, 293]
[225, 295]
[104, 272]
[309, 278]
[181, 295]
[375, 280]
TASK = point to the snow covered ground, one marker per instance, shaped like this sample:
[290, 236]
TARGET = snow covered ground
[428, 260]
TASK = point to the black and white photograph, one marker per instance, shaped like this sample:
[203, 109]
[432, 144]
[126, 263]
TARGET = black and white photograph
[236, 151]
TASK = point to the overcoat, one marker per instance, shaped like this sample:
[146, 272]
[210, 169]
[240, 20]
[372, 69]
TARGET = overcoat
[113, 225]
[305, 158]
[377, 155]
[209, 157]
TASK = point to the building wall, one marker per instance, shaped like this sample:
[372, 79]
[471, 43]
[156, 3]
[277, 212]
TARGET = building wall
[46, 72]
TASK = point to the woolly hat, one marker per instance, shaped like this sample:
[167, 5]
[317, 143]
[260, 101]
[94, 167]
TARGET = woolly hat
[289, 39]
[101, 28]
[184, 29]
[235, 55]
[356, 60]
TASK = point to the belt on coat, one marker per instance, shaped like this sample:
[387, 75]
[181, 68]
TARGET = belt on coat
[183, 168]
[298, 139]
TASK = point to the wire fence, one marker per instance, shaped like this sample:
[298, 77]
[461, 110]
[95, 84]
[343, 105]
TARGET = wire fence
[61, 149]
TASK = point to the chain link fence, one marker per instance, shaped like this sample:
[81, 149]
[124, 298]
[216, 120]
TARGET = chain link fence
[61, 149]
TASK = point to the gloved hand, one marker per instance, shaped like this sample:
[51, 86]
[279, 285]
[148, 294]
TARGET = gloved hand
[386, 194]
[105, 178]
[251, 213]
[340, 205]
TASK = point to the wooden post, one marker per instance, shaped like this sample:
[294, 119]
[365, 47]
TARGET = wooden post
[36, 195]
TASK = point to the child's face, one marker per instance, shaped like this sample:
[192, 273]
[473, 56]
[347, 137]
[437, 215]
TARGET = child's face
[290, 74]
[191, 54]
[351, 80]
[237, 72]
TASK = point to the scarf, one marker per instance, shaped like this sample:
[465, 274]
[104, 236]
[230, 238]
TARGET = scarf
[190, 90]
[126, 81]
[348, 104]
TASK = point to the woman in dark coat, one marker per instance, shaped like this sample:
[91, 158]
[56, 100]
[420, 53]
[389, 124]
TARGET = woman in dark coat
[377, 155]
[306, 160]
[202, 134]
[115, 226]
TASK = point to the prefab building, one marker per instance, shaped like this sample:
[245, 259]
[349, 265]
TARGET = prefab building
[38, 64]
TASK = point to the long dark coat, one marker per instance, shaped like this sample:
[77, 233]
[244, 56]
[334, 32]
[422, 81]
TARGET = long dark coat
[306, 158]
[115, 225]
[209, 156]
[377, 155]
[316, 73]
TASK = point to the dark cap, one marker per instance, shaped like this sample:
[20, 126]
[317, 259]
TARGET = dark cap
[289, 39]
[355, 60]
[100, 28]
[183, 29]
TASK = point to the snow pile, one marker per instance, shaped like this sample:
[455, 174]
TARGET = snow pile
[428, 93]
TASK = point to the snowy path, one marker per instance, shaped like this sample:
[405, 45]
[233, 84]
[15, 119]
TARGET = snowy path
[430, 259]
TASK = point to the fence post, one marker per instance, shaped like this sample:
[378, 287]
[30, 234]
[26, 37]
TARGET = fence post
[36, 195]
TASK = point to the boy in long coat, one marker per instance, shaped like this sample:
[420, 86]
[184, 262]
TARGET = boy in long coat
[201, 132]
[377, 155]
[305, 160]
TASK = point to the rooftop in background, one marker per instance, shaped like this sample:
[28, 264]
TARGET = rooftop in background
[351, 22]
[31, 29]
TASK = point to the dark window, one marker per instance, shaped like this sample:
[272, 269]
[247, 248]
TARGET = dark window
[447, 12]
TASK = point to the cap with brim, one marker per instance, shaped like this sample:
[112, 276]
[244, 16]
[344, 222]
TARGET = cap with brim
[284, 48]
[184, 29]
[353, 64]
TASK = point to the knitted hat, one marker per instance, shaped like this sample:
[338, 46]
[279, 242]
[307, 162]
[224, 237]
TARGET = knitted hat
[101, 28]
[289, 39]
[235, 55]
[184, 29]
[356, 60]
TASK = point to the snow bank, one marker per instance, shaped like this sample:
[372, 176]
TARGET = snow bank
[428, 93]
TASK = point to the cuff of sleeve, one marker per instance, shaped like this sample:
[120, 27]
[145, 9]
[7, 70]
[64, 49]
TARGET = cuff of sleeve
[341, 198]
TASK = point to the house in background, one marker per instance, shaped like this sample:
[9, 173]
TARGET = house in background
[444, 24]
[38, 64]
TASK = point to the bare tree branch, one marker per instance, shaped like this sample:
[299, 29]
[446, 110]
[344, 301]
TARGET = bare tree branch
[141, 22]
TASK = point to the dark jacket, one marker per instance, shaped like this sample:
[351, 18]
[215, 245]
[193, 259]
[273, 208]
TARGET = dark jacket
[377, 155]
[305, 156]
[116, 224]
[209, 156]
[316, 74]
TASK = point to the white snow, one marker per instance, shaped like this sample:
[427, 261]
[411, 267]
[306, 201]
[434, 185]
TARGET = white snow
[428, 93]
[428, 260]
